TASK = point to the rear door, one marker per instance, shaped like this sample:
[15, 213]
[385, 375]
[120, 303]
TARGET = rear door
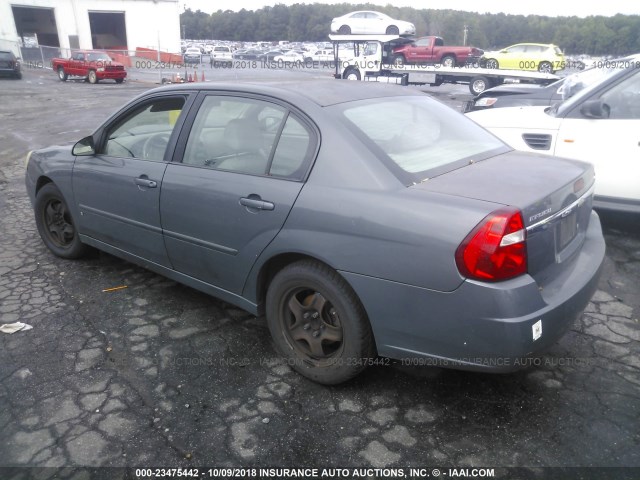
[237, 172]
[118, 189]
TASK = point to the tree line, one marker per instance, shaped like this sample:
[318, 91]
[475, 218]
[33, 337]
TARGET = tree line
[595, 35]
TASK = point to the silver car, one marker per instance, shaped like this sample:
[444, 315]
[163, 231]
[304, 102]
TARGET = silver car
[366, 221]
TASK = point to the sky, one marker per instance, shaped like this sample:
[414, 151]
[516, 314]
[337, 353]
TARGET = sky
[550, 8]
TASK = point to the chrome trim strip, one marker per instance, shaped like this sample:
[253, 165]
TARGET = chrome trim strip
[564, 211]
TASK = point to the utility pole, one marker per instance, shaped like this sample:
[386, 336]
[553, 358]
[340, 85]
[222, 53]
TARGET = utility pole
[466, 31]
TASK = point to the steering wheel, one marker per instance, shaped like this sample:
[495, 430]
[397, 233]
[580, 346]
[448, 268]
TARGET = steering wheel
[155, 146]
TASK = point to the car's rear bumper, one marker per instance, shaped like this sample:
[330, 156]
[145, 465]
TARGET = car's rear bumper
[616, 204]
[480, 326]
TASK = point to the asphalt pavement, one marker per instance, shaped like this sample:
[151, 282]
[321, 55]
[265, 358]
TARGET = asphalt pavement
[159, 375]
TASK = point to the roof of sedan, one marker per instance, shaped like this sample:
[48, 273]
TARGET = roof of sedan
[322, 92]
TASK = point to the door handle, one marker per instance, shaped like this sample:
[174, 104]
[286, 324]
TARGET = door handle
[145, 182]
[256, 203]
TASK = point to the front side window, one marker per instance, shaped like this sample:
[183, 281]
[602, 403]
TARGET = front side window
[418, 138]
[623, 100]
[144, 133]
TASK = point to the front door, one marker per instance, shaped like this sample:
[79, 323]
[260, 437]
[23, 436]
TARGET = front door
[118, 189]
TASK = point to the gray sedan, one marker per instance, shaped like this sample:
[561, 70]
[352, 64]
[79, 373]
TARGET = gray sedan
[367, 222]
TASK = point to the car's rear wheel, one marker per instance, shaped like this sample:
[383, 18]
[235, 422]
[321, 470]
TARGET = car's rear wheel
[318, 323]
[55, 223]
[344, 30]
[92, 77]
[492, 63]
[62, 75]
[393, 30]
[545, 67]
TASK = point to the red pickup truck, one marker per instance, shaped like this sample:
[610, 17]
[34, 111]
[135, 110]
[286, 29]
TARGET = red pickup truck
[433, 50]
[94, 66]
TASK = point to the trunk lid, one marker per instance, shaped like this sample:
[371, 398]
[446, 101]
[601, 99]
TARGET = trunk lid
[553, 194]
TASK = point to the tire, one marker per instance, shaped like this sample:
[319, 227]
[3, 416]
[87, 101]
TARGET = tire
[318, 323]
[56, 225]
[119, 80]
[92, 77]
[62, 74]
[492, 63]
[393, 30]
[344, 30]
[399, 61]
[448, 61]
[479, 84]
[351, 74]
[545, 67]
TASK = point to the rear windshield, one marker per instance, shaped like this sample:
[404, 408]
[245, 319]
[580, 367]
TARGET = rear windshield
[418, 137]
[221, 49]
[6, 56]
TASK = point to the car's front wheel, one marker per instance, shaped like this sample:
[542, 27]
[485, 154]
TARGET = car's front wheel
[352, 74]
[92, 77]
[448, 61]
[318, 323]
[55, 223]
[393, 30]
[119, 80]
[344, 30]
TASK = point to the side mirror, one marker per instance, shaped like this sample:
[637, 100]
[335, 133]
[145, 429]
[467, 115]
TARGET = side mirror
[595, 109]
[84, 147]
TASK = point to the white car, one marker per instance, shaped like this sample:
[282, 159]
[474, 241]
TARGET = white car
[291, 57]
[320, 56]
[192, 55]
[221, 55]
[599, 124]
[369, 22]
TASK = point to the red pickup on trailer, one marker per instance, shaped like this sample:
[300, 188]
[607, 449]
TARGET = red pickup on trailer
[92, 65]
[433, 50]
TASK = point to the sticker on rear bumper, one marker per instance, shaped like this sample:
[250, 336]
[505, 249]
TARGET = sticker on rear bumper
[537, 330]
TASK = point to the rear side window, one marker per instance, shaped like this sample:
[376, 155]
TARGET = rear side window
[250, 136]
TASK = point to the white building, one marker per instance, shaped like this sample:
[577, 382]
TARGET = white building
[92, 24]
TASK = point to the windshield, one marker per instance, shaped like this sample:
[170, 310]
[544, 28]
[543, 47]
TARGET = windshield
[560, 109]
[417, 137]
[578, 81]
[94, 57]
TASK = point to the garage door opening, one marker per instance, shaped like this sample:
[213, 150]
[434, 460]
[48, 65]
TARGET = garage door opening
[108, 30]
[36, 26]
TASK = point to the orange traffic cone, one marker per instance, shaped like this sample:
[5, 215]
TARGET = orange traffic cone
[190, 79]
[202, 79]
[195, 76]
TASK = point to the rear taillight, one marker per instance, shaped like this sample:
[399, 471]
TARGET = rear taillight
[496, 249]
